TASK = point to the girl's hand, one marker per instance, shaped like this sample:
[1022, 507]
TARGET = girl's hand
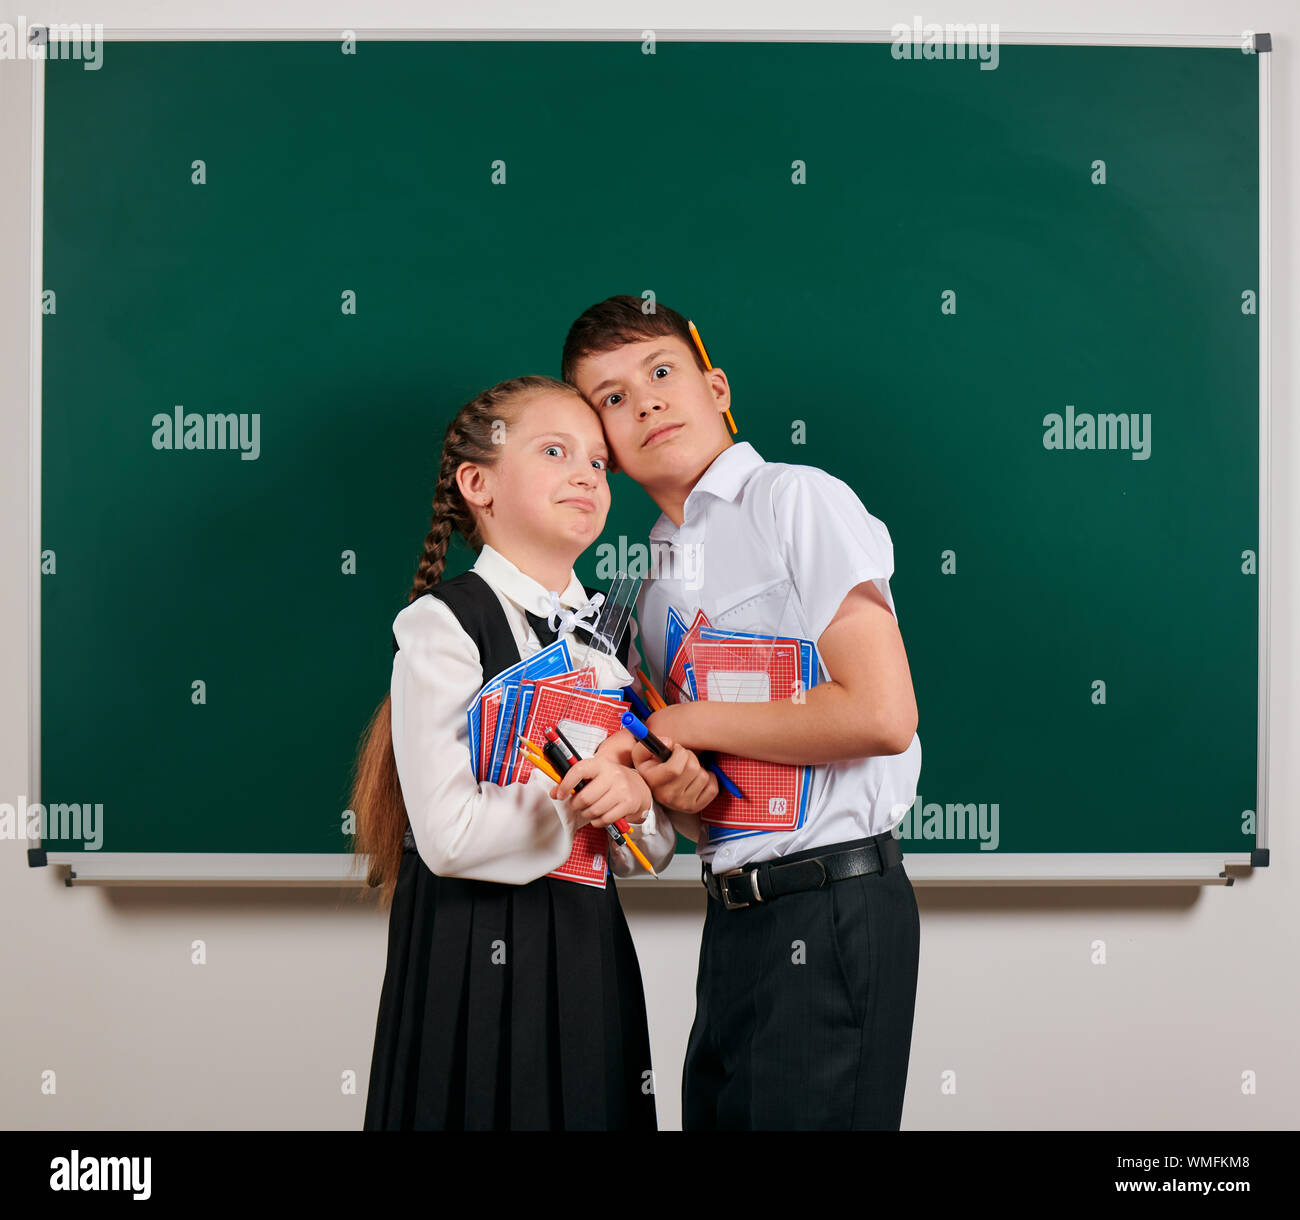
[680, 783]
[614, 792]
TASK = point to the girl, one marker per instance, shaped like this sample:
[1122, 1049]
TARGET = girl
[511, 999]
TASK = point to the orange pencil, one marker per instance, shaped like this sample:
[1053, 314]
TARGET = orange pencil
[543, 765]
[636, 851]
[695, 334]
[537, 759]
[653, 697]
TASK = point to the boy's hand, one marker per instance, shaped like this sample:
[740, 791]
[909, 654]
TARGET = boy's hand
[680, 783]
[618, 746]
[674, 721]
[614, 791]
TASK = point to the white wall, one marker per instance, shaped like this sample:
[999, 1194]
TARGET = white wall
[1200, 985]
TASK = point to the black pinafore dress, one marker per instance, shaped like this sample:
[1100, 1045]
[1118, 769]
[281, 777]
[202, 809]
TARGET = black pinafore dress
[553, 1038]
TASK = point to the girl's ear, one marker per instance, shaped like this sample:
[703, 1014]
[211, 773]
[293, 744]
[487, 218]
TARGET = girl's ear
[475, 484]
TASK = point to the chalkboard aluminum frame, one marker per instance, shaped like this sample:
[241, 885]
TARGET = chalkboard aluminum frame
[162, 868]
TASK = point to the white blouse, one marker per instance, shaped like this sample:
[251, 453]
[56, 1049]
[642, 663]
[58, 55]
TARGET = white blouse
[487, 832]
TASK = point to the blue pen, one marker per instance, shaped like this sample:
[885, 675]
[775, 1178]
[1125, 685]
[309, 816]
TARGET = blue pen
[646, 737]
[723, 778]
[663, 754]
[639, 705]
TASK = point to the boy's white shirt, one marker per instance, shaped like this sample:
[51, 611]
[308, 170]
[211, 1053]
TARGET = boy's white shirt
[488, 832]
[748, 526]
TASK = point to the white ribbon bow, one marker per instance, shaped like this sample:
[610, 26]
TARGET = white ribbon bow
[562, 620]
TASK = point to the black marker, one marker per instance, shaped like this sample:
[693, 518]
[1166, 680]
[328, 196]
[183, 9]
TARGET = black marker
[562, 757]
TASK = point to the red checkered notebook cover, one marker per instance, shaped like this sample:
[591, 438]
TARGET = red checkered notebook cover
[747, 672]
[588, 862]
[550, 693]
[487, 726]
[675, 688]
[586, 720]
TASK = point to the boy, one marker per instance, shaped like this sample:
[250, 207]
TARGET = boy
[808, 961]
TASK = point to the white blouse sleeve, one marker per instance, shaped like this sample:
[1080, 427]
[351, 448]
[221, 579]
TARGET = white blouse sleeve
[655, 837]
[512, 834]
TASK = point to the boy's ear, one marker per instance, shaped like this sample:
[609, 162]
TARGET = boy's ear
[722, 387]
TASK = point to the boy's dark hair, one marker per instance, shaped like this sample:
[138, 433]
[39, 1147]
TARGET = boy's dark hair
[619, 320]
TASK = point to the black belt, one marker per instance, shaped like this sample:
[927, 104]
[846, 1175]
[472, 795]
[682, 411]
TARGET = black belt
[808, 870]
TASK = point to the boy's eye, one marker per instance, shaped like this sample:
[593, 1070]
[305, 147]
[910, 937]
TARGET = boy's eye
[666, 368]
[599, 463]
[557, 449]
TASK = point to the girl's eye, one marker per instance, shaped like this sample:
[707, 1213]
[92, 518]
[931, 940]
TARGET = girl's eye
[665, 368]
[599, 463]
[609, 399]
[550, 447]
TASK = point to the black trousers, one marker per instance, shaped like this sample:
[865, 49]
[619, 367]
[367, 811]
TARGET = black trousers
[803, 1009]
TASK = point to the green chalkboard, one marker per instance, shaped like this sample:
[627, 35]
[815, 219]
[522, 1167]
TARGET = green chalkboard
[946, 271]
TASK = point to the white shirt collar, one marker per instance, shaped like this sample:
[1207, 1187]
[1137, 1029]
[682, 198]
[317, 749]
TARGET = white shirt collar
[725, 476]
[521, 588]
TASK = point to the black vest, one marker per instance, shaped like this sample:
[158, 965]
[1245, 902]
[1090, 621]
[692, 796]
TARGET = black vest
[478, 610]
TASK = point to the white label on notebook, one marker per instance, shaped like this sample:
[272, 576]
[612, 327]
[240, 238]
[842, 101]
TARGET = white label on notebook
[582, 737]
[739, 686]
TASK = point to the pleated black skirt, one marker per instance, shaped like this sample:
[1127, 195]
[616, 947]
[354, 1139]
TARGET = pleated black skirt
[509, 1008]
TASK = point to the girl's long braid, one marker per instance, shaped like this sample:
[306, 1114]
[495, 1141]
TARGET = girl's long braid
[474, 435]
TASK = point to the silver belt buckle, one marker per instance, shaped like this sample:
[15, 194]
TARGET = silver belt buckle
[722, 888]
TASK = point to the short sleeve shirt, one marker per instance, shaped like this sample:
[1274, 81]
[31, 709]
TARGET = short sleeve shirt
[775, 548]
